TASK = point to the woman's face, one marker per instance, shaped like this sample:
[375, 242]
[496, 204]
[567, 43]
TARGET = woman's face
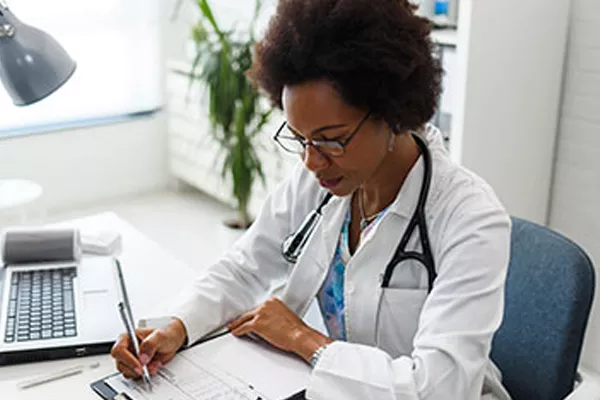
[315, 111]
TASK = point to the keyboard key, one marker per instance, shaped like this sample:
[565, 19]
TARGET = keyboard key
[12, 308]
[22, 338]
[34, 335]
[58, 334]
[70, 332]
[9, 339]
[69, 303]
[46, 333]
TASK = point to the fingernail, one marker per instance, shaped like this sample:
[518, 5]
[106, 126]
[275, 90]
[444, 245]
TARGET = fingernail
[138, 371]
[144, 359]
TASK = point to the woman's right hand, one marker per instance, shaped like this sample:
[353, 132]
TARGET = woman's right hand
[157, 347]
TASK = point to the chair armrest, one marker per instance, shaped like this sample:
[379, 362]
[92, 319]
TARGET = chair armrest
[588, 387]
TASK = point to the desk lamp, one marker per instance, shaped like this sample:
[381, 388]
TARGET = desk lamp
[32, 64]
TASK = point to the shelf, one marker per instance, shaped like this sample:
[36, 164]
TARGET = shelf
[444, 37]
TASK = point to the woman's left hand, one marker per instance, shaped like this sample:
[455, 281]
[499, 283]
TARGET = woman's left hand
[277, 324]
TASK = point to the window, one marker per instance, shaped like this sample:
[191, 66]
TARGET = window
[117, 47]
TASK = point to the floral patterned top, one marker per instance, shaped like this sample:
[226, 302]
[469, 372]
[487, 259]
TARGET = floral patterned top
[331, 294]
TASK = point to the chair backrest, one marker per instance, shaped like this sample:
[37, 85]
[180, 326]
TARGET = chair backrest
[549, 292]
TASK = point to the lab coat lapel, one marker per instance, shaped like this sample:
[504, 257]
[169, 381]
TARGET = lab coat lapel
[313, 264]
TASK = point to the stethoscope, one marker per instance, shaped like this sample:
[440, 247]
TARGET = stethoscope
[293, 244]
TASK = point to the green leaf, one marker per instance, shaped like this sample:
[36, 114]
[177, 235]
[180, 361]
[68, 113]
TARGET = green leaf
[208, 14]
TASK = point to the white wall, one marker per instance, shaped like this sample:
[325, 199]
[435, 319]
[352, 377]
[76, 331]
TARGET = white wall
[575, 201]
[91, 164]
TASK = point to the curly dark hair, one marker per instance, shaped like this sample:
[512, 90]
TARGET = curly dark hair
[376, 53]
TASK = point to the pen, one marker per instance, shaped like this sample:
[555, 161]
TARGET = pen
[55, 375]
[128, 320]
[124, 292]
[134, 340]
[51, 377]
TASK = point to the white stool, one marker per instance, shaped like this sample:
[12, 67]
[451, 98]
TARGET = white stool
[17, 194]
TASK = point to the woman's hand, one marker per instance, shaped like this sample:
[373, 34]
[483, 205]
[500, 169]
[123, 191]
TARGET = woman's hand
[157, 347]
[277, 324]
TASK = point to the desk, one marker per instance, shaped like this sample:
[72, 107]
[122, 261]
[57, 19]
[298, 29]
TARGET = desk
[147, 269]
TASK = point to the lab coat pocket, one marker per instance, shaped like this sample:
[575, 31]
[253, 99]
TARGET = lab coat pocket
[399, 319]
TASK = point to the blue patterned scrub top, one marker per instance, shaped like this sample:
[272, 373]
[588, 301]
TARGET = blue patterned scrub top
[331, 294]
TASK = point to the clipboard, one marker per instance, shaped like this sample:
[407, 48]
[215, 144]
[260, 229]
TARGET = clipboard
[105, 391]
[255, 353]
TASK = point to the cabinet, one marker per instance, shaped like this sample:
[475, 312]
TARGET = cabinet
[506, 97]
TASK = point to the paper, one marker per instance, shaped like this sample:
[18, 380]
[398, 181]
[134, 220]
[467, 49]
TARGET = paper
[275, 373]
[227, 368]
[183, 380]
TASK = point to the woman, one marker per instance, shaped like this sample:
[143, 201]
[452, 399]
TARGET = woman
[357, 83]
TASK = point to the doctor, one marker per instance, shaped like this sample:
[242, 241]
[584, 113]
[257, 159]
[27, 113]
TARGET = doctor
[408, 253]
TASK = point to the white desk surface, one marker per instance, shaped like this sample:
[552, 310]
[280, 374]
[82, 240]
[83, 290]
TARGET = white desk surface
[148, 270]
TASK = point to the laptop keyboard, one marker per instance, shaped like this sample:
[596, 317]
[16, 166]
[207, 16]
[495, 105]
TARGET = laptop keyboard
[41, 305]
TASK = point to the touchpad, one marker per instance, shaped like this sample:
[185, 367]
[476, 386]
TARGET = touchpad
[95, 275]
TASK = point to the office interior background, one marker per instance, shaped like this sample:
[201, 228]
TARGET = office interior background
[520, 108]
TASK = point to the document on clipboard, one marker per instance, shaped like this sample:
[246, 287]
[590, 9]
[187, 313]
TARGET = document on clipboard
[227, 367]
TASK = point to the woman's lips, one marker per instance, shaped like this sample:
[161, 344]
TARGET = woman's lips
[329, 183]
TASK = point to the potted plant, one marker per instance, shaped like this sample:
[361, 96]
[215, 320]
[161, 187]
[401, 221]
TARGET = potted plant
[237, 111]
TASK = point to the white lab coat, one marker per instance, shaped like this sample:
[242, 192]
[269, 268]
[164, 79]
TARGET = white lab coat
[426, 346]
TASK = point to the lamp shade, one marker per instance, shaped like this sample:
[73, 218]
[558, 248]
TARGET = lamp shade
[32, 64]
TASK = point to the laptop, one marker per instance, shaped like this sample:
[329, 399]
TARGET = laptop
[58, 310]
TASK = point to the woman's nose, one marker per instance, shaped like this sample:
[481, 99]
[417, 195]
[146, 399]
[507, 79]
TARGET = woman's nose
[314, 160]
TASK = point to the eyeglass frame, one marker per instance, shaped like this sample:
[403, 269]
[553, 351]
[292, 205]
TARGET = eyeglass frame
[315, 143]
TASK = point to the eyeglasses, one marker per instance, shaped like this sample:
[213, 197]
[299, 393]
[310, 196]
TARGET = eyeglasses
[332, 148]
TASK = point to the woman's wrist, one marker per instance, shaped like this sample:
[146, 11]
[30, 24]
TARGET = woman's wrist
[176, 325]
[309, 341]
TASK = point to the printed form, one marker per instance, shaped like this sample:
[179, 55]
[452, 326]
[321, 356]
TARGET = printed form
[227, 368]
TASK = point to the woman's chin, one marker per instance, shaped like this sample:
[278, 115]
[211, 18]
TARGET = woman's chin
[342, 190]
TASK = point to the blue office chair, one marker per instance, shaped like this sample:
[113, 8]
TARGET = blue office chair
[549, 292]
